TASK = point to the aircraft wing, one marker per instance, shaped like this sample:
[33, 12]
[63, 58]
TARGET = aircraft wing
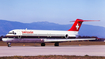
[64, 40]
[39, 40]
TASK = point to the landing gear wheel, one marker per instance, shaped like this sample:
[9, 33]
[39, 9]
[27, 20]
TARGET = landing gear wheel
[9, 44]
[42, 44]
[56, 44]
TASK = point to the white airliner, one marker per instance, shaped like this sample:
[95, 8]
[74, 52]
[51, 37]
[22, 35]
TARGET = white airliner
[45, 36]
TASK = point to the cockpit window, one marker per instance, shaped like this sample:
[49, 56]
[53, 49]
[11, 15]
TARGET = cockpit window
[12, 32]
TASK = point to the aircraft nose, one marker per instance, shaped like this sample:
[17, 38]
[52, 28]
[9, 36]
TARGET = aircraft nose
[6, 39]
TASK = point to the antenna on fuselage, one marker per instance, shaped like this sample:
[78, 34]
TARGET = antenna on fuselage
[26, 28]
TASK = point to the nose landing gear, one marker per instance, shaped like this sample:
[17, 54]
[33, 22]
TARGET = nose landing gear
[9, 44]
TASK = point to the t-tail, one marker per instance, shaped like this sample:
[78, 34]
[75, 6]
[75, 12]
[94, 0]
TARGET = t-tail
[77, 24]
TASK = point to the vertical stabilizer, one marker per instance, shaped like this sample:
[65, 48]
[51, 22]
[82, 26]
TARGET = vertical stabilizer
[77, 24]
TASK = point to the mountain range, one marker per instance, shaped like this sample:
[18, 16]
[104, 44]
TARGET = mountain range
[85, 30]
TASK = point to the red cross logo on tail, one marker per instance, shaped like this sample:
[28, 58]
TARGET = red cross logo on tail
[77, 26]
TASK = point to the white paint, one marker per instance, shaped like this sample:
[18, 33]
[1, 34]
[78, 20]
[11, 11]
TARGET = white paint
[43, 33]
[77, 26]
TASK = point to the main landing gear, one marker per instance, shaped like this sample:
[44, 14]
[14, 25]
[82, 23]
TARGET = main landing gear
[56, 44]
[42, 44]
[9, 44]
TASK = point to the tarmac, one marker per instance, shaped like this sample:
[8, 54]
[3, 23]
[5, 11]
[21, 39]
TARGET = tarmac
[91, 50]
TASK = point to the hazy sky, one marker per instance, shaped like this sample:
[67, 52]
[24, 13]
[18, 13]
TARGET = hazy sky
[57, 11]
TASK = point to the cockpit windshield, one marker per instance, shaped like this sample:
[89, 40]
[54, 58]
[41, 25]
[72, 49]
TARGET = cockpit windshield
[11, 32]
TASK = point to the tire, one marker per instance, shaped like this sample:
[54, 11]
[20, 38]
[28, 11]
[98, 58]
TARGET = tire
[42, 44]
[9, 45]
[56, 44]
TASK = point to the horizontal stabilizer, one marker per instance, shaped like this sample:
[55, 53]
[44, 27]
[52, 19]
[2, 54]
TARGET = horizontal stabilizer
[85, 20]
